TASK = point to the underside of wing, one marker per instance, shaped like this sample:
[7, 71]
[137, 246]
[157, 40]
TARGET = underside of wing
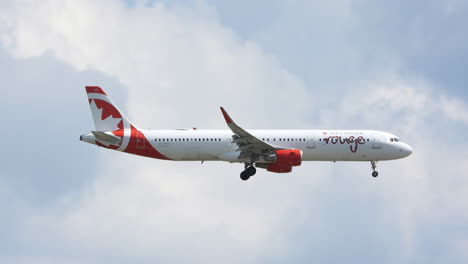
[249, 145]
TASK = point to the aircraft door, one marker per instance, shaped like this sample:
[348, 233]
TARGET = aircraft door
[229, 144]
[376, 143]
[310, 143]
[140, 140]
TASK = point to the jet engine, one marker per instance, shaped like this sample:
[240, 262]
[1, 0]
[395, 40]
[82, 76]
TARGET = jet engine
[285, 160]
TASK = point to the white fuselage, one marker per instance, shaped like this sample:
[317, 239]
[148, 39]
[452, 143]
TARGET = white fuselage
[316, 145]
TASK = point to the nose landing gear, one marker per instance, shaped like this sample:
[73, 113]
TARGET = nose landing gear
[248, 172]
[374, 166]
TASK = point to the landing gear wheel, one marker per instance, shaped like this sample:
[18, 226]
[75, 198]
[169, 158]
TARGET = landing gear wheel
[251, 171]
[248, 172]
[244, 176]
[374, 166]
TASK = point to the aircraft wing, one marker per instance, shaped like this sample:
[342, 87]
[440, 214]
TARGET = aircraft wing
[249, 145]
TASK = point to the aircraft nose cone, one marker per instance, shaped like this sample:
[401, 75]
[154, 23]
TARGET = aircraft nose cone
[406, 150]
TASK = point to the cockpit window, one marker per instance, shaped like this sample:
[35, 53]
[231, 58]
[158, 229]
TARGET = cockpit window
[391, 140]
[396, 139]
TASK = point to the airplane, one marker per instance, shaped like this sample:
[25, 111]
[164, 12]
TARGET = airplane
[274, 150]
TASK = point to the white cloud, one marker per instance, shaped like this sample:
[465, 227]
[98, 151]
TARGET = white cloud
[166, 56]
[454, 109]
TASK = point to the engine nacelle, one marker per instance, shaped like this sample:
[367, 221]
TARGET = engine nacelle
[285, 160]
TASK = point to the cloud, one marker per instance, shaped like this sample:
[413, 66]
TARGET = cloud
[178, 64]
[183, 49]
[454, 109]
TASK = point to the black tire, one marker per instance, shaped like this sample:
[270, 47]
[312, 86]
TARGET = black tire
[375, 174]
[251, 170]
[244, 176]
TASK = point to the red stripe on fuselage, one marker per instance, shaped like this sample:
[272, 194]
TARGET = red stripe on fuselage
[139, 145]
[136, 147]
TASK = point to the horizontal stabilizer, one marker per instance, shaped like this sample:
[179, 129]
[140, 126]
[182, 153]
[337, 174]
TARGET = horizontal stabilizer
[106, 138]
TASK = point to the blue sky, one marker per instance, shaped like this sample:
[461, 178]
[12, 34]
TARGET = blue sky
[397, 67]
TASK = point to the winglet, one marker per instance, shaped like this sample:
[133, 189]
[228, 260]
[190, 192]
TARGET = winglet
[226, 116]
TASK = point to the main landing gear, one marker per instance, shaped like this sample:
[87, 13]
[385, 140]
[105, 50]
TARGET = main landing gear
[374, 166]
[249, 171]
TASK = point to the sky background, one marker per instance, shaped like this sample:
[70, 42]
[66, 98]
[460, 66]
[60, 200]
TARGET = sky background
[395, 66]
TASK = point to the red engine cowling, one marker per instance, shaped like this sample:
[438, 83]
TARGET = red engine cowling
[285, 160]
